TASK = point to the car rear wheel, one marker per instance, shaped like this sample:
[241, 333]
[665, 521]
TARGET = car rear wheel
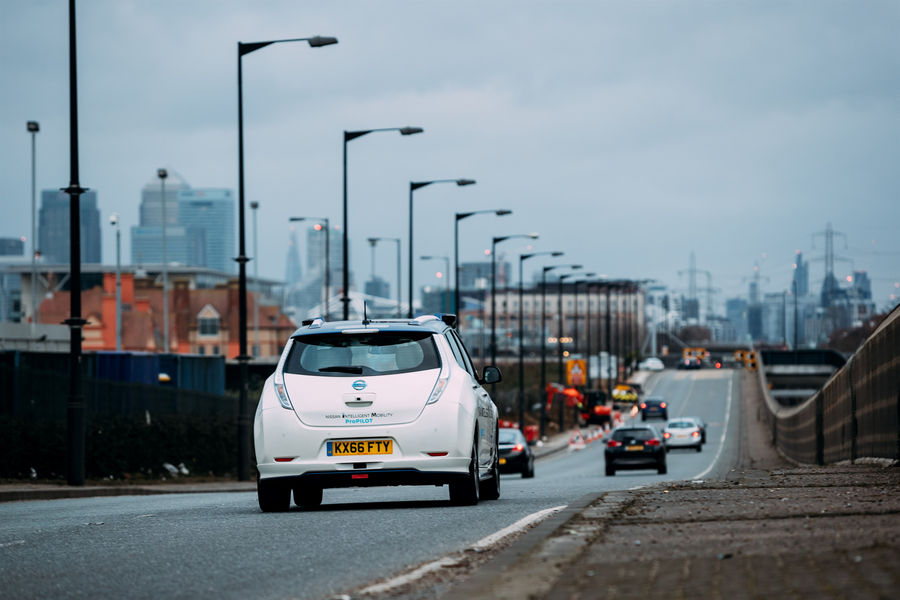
[491, 490]
[661, 468]
[610, 470]
[307, 496]
[699, 447]
[272, 496]
[465, 491]
[528, 472]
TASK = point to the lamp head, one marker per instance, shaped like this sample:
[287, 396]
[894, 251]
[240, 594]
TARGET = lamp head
[410, 130]
[254, 205]
[557, 253]
[502, 212]
[162, 173]
[114, 219]
[33, 126]
[461, 182]
[317, 41]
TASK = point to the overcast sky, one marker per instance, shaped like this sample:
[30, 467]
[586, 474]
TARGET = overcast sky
[626, 133]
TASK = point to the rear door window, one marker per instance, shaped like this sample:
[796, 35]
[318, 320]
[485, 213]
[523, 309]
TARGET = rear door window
[641, 435]
[349, 355]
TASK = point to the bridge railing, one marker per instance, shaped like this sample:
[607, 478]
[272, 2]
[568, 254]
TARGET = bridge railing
[856, 414]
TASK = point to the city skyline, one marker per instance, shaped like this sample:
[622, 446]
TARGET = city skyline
[625, 153]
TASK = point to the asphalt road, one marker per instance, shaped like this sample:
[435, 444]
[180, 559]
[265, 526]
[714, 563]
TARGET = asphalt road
[221, 545]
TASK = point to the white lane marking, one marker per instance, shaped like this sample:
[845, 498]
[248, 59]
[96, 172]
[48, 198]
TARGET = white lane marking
[637, 487]
[724, 433]
[447, 561]
[15, 543]
[522, 523]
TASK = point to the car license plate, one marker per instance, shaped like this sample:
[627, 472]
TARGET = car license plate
[359, 447]
[502, 461]
[631, 448]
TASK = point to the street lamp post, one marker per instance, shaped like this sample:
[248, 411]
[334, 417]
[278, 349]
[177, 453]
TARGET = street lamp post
[254, 206]
[608, 344]
[445, 303]
[460, 217]
[327, 290]
[162, 174]
[75, 409]
[33, 129]
[243, 417]
[575, 286]
[413, 186]
[522, 259]
[559, 348]
[494, 242]
[373, 241]
[114, 221]
[345, 275]
[544, 272]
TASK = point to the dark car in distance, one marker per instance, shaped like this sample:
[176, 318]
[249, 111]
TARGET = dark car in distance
[654, 407]
[690, 362]
[515, 453]
[635, 448]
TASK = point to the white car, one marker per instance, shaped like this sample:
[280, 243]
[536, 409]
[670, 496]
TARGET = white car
[374, 403]
[651, 364]
[683, 433]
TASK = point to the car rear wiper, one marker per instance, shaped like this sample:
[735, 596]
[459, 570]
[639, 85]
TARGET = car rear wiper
[342, 369]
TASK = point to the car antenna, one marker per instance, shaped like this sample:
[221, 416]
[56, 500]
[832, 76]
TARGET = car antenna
[365, 320]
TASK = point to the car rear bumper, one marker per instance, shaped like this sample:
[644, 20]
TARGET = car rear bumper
[514, 463]
[365, 478]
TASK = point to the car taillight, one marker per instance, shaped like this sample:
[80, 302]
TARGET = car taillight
[662, 404]
[613, 444]
[281, 392]
[667, 435]
[518, 447]
[438, 389]
[718, 365]
[643, 405]
[653, 442]
[695, 434]
[597, 409]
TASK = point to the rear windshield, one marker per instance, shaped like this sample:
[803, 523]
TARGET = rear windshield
[681, 425]
[507, 435]
[620, 435]
[348, 355]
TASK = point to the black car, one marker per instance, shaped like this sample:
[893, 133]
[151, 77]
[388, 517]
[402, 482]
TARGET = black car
[690, 362]
[515, 453]
[635, 448]
[654, 407]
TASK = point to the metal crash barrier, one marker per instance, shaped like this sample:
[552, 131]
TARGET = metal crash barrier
[855, 415]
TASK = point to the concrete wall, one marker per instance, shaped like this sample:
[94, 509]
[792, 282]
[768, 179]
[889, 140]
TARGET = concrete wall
[855, 415]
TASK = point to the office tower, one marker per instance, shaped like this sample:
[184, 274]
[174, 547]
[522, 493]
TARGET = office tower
[184, 245]
[212, 211]
[801, 275]
[53, 227]
[12, 247]
[151, 200]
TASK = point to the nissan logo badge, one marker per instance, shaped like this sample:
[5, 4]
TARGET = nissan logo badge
[359, 385]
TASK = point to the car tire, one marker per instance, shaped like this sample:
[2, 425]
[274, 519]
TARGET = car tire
[643, 417]
[307, 497]
[272, 496]
[491, 487]
[610, 470]
[700, 447]
[662, 468]
[528, 472]
[465, 491]
[665, 416]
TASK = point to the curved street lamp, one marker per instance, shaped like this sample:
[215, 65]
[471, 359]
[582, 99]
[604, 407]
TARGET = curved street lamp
[522, 259]
[494, 242]
[345, 260]
[242, 358]
[413, 186]
[459, 217]
[544, 272]
[33, 128]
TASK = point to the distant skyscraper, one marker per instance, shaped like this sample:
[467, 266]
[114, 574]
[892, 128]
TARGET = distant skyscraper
[862, 285]
[12, 247]
[151, 200]
[210, 210]
[199, 225]
[736, 312]
[801, 275]
[53, 227]
[184, 245]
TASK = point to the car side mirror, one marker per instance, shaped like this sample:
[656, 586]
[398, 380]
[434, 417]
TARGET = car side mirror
[491, 375]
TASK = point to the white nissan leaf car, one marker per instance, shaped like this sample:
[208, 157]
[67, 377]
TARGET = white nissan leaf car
[374, 403]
